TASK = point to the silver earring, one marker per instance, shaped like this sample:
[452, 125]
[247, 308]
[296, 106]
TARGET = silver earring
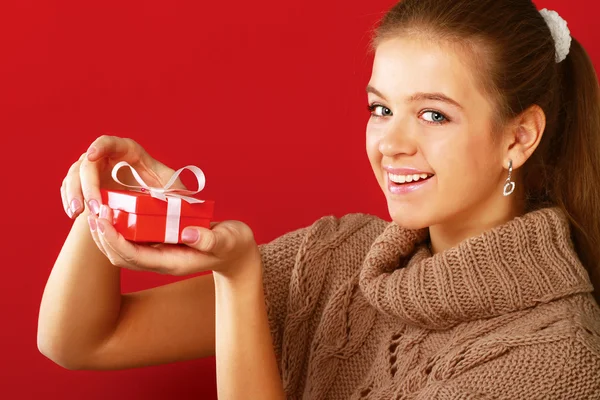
[509, 186]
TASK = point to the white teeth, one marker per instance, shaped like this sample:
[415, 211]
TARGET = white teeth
[407, 178]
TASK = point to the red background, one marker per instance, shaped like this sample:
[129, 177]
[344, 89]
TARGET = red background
[266, 97]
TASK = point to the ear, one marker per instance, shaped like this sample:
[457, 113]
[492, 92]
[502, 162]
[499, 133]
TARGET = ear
[524, 135]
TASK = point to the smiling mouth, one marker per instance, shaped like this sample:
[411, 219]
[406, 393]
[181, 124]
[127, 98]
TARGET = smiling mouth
[400, 180]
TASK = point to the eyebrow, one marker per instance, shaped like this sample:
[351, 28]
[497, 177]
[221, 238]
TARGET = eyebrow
[420, 96]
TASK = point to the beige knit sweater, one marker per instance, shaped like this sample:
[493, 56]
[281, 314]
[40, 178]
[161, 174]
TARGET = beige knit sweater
[359, 309]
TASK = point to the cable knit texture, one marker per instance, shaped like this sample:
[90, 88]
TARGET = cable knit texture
[360, 309]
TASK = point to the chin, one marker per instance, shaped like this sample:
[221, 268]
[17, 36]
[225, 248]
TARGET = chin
[407, 218]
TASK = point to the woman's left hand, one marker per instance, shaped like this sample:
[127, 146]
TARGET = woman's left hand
[222, 248]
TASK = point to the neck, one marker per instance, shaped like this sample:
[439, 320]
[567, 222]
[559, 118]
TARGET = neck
[474, 221]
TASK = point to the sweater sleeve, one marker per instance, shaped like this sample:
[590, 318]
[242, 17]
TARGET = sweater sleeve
[568, 368]
[278, 260]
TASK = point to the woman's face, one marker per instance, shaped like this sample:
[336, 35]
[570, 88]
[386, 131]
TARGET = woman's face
[430, 115]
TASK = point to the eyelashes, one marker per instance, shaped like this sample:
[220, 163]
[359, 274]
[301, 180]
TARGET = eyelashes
[372, 107]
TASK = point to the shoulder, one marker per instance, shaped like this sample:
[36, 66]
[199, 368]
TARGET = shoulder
[572, 323]
[305, 248]
[571, 347]
[334, 252]
[582, 320]
[331, 228]
[304, 263]
[553, 348]
[349, 229]
[575, 317]
[350, 232]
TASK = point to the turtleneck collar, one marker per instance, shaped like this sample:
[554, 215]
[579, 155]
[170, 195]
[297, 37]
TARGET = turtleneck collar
[514, 266]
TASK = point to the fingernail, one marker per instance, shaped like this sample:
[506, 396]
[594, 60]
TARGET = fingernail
[104, 211]
[190, 236]
[75, 206]
[92, 223]
[94, 207]
[91, 151]
[69, 212]
[100, 227]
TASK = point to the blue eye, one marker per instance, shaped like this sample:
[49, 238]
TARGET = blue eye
[436, 117]
[372, 107]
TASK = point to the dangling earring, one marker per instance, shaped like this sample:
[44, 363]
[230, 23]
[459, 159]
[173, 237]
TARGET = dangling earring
[509, 186]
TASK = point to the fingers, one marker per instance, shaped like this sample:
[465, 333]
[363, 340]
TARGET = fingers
[70, 191]
[65, 202]
[93, 224]
[113, 147]
[89, 178]
[99, 226]
[169, 259]
[102, 149]
[105, 231]
[202, 255]
[222, 238]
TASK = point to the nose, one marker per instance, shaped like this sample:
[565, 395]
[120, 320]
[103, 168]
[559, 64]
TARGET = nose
[396, 139]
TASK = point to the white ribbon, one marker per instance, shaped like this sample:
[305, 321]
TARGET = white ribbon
[173, 197]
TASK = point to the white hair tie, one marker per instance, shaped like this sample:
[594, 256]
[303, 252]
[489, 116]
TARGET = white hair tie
[560, 33]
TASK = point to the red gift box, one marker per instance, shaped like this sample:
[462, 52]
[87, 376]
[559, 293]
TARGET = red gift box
[140, 217]
[157, 215]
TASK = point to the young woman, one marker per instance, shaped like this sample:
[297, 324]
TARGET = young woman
[485, 139]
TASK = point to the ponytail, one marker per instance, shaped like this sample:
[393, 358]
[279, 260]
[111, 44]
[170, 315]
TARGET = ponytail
[576, 183]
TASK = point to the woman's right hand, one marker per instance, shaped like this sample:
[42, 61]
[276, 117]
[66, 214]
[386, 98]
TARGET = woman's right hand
[224, 247]
[93, 170]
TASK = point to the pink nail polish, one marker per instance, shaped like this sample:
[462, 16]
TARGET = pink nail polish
[94, 207]
[92, 223]
[100, 227]
[189, 236]
[75, 205]
[104, 211]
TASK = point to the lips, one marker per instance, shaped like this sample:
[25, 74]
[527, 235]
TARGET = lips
[408, 187]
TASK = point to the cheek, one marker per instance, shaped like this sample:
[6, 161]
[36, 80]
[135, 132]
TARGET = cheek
[458, 163]
[473, 163]
[446, 157]
[372, 146]
[373, 139]
[482, 157]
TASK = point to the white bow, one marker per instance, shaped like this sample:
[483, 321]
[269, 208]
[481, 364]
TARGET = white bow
[166, 191]
[173, 197]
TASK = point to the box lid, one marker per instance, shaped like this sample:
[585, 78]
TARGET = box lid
[144, 204]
